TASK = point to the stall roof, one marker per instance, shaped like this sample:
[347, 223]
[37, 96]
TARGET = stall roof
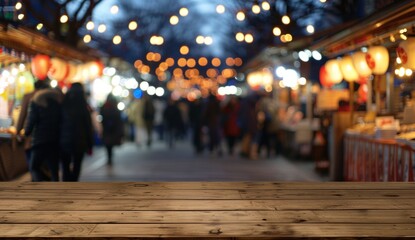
[31, 42]
[377, 28]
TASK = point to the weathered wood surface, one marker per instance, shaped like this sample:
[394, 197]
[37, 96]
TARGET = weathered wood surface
[233, 210]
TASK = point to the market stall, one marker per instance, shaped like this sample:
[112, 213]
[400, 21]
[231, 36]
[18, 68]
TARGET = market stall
[376, 54]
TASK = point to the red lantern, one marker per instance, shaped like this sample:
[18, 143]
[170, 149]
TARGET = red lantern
[362, 92]
[40, 66]
[59, 69]
[324, 78]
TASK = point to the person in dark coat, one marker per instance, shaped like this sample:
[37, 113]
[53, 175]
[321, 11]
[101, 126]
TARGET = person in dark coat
[76, 132]
[173, 121]
[112, 126]
[231, 128]
[43, 125]
[148, 116]
[212, 119]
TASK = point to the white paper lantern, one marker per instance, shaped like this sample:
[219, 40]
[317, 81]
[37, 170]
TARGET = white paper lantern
[377, 58]
[406, 52]
[347, 68]
[333, 70]
[360, 64]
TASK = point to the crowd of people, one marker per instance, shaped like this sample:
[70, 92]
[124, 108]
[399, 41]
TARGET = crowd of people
[213, 124]
[60, 128]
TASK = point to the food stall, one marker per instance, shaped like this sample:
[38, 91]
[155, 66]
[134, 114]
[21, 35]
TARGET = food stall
[376, 54]
[18, 48]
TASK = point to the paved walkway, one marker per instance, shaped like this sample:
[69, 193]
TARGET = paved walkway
[159, 163]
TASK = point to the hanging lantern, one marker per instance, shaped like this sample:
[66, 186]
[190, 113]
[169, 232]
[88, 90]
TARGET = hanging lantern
[96, 69]
[406, 52]
[58, 70]
[362, 93]
[377, 58]
[324, 78]
[333, 70]
[360, 64]
[40, 66]
[72, 70]
[347, 68]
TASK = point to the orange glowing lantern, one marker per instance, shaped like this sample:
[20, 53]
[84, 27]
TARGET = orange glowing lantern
[377, 58]
[333, 71]
[324, 78]
[348, 70]
[96, 69]
[360, 64]
[58, 70]
[40, 66]
[406, 52]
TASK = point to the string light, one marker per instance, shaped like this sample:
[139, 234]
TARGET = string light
[285, 19]
[116, 39]
[87, 38]
[265, 6]
[132, 25]
[220, 9]
[18, 6]
[114, 9]
[90, 25]
[174, 20]
[102, 28]
[276, 31]
[64, 18]
[256, 9]
[240, 16]
[183, 12]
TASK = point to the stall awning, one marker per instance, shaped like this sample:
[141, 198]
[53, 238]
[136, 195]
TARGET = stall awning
[31, 42]
[382, 27]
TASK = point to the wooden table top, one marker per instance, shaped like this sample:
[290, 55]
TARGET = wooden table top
[233, 210]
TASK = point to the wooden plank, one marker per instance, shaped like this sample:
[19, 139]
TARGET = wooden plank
[53, 194]
[203, 205]
[203, 194]
[280, 231]
[209, 185]
[171, 217]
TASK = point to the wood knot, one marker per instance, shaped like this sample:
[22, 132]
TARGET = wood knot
[215, 231]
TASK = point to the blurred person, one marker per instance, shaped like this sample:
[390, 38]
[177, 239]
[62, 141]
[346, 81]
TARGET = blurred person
[148, 116]
[135, 115]
[248, 123]
[195, 119]
[159, 106]
[173, 121]
[76, 137]
[43, 125]
[230, 126]
[211, 117]
[22, 120]
[112, 126]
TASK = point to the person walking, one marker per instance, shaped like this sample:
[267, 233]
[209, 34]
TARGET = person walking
[76, 137]
[173, 121]
[148, 116]
[44, 127]
[230, 126]
[112, 126]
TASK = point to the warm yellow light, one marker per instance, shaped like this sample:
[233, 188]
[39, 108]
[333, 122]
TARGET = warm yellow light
[150, 56]
[203, 61]
[170, 62]
[182, 62]
[132, 25]
[220, 9]
[310, 29]
[276, 31]
[102, 28]
[90, 25]
[156, 40]
[184, 50]
[200, 39]
[87, 38]
[286, 19]
[266, 6]
[18, 6]
[114, 9]
[288, 37]
[256, 8]
[64, 18]
[240, 37]
[249, 38]
[39, 26]
[230, 61]
[208, 40]
[184, 12]
[116, 39]
[238, 62]
[157, 57]
[191, 62]
[240, 16]
[20, 16]
[398, 60]
[216, 62]
[323, 1]
[174, 20]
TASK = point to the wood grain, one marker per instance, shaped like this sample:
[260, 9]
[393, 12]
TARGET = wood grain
[232, 210]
